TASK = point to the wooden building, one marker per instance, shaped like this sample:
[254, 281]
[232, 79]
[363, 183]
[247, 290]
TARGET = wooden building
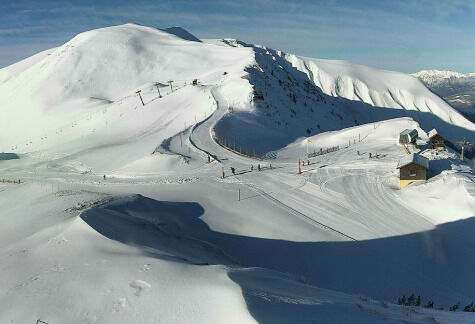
[412, 169]
[408, 136]
[436, 140]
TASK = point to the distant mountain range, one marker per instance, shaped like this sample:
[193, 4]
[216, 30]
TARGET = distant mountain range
[456, 88]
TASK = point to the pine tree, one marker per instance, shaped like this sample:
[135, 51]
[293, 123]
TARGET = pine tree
[469, 308]
[410, 300]
[430, 304]
[418, 301]
[454, 307]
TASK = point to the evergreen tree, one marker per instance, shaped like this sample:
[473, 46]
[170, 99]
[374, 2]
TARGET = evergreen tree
[430, 304]
[469, 308]
[410, 300]
[454, 307]
[418, 301]
[403, 300]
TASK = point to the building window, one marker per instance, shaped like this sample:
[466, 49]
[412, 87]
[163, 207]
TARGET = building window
[412, 173]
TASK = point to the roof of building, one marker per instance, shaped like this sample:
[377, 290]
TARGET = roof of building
[408, 131]
[414, 158]
[433, 132]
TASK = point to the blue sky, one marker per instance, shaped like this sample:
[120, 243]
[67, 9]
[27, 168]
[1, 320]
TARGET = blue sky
[401, 35]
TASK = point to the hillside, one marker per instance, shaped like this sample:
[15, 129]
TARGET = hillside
[294, 97]
[98, 68]
[185, 204]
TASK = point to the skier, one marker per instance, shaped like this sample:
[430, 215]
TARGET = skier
[258, 167]
[233, 170]
[252, 167]
[104, 177]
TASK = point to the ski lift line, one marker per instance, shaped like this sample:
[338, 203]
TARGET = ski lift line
[85, 117]
[88, 116]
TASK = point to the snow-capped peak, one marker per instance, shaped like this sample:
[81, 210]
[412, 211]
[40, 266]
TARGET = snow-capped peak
[427, 74]
[436, 76]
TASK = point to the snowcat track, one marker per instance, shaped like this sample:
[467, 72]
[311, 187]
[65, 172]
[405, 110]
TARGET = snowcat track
[297, 213]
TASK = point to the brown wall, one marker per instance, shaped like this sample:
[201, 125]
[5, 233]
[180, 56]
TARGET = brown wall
[421, 172]
[437, 138]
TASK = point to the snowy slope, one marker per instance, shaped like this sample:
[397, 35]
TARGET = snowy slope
[51, 91]
[378, 88]
[294, 97]
[122, 214]
[97, 67]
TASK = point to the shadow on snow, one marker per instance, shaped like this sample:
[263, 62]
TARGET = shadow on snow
[437, 264]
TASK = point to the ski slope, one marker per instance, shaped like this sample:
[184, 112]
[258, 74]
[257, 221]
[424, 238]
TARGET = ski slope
[119, 217]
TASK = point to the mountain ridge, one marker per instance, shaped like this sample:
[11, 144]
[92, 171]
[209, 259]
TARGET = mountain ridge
[110, 63]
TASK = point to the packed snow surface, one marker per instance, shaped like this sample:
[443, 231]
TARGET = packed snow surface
[117, 211]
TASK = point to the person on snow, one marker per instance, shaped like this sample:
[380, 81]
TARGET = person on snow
[259, 167]
[233, 170]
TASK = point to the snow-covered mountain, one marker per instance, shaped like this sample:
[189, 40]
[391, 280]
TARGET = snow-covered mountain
[278, 93]
[456, 88]
[156, 180]
[445, 80]
[299, 96]
[100, 67]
